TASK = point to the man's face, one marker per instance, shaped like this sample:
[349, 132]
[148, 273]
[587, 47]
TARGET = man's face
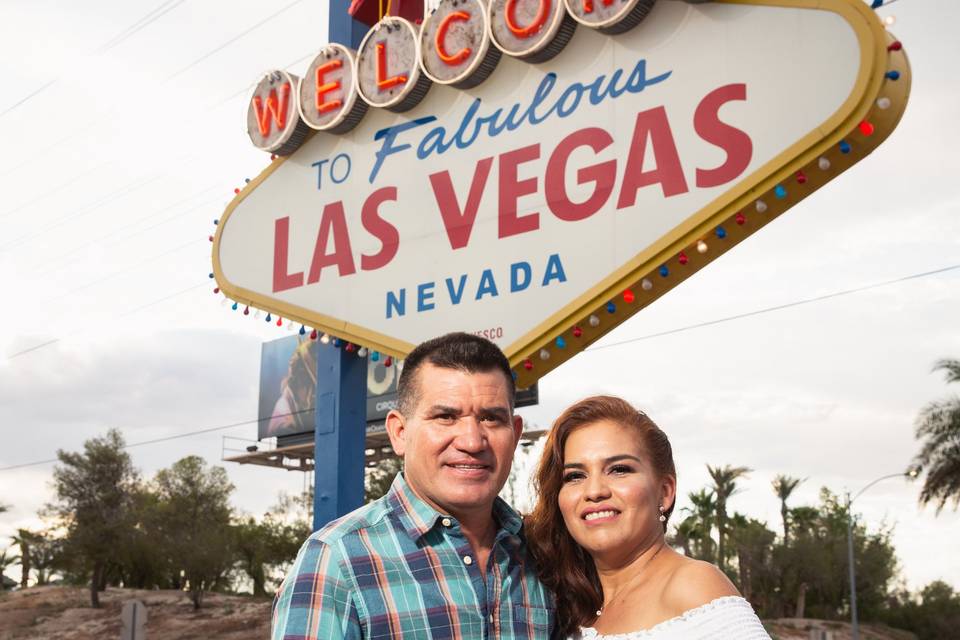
[459, 440]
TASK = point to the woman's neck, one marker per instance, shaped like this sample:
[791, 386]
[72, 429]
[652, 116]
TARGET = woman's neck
[624, 570]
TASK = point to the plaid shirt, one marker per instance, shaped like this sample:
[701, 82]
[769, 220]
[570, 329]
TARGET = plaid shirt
[398, 568]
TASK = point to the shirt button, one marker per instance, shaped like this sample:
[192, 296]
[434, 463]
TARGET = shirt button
[491, 618]
[445, 522]
[467, 560]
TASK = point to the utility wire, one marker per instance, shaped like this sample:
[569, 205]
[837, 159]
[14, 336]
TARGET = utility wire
[232, 40]
[42, 345]
[188, 434]
[126, 33]
[779, 307]
[622, 342]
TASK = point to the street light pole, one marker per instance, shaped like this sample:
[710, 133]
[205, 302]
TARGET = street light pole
[854, 623]
[912, 472]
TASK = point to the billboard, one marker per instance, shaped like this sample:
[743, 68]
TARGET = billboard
[288, 387]
[564, 178]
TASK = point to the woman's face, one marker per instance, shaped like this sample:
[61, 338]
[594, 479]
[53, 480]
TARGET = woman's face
[610, 496]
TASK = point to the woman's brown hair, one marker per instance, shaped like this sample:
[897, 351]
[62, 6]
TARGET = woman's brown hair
[564, 567]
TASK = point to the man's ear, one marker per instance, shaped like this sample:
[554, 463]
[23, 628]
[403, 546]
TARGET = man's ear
[397, 430]
[517, 429]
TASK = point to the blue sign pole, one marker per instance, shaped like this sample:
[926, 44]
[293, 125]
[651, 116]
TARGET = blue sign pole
[340, 434]
[340, 427]
[343, 28]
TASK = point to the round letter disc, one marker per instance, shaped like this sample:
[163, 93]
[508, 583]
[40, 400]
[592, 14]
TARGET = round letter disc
[273, 120]
[534, 30]
[455, 44]
[609, 16]
[328, 91]
[388, 66]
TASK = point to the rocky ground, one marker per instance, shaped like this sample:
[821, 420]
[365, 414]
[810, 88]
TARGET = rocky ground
[64, 613]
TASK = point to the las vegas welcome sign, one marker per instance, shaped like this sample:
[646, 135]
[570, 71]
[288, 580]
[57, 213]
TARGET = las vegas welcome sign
[537, 171]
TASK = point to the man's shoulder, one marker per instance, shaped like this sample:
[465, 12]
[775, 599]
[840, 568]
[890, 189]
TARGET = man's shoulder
[370, 516]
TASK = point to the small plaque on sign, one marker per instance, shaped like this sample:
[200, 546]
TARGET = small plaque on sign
[388, 66]
[328, 91]
[273, 120]
[455, 44]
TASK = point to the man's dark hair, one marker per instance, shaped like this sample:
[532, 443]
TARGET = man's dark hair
[461, 351]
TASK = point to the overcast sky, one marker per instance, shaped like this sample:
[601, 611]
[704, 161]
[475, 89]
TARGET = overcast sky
[122, 145]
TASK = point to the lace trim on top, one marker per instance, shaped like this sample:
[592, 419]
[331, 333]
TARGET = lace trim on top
[589, 633]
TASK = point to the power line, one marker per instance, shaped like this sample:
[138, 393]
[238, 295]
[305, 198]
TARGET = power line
[178, 436]
[126, 33]
[151, 17]
[621, 343]
[232, 40]
[42, 345]
[779, 307]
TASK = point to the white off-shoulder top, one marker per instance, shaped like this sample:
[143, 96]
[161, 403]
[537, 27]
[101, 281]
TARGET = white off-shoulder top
[727, 618]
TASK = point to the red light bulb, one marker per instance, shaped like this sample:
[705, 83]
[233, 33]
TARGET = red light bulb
[313, 334]
[801, 177]
[527, 364]
[237, 191]
[216, 289]
[740, 218]
[577, 332]
[866, 128]
[387, 361]
[682, 258]
[628, 296]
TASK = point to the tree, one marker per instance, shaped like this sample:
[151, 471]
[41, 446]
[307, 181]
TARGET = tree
[195, 522]
[93, 499]
[379, 478]
[783, 486]
[703, 513]
[753, 543]
[724, 485]
[939, 426]
[271, 542]
[23, 539]
[6, 559]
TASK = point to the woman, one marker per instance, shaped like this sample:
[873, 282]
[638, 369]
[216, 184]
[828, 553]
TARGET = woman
[607, 485]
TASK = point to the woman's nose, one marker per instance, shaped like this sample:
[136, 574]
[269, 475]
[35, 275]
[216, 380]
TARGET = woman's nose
[596, 488]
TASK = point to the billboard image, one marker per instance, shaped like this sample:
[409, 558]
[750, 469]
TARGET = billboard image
[288, 386]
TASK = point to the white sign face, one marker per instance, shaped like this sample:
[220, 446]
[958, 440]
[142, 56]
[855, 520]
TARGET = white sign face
[520, 208]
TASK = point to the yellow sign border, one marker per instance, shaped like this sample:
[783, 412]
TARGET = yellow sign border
[525, 354]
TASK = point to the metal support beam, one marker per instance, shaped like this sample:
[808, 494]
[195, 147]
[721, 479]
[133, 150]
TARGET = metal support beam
[343, 28]
[340, 434]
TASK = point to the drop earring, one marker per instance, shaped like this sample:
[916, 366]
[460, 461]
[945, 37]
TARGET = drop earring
[662, 518]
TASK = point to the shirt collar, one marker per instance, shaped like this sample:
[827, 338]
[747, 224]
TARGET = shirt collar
[417, 517]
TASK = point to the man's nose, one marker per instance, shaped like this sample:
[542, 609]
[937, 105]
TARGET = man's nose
[471, 437]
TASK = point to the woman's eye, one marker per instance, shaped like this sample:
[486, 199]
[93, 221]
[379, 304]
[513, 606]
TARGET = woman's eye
[570, 477]
[621, 468]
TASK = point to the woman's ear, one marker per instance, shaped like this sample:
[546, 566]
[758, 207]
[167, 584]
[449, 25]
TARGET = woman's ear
[668, 492]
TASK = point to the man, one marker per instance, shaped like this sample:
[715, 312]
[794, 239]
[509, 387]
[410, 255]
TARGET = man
[440, 556]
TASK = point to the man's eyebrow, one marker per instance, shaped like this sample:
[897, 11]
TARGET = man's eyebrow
[610, 460]
[500, 413]
[439, 409]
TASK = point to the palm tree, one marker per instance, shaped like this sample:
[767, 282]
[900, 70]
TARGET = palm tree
[6, 559]
[783, 486]
[702, 513]
[724, 485]
[23, 539]
[939, 425]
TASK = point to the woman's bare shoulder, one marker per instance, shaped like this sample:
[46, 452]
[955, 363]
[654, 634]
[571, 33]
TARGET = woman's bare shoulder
[694, 583]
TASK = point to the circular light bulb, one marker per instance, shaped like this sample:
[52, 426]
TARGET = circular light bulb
[823, 163]
[646, 285]
[883, 103]
[701, 247]
[594, 321]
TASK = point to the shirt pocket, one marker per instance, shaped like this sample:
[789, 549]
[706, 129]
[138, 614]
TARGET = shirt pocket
[529, 621]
